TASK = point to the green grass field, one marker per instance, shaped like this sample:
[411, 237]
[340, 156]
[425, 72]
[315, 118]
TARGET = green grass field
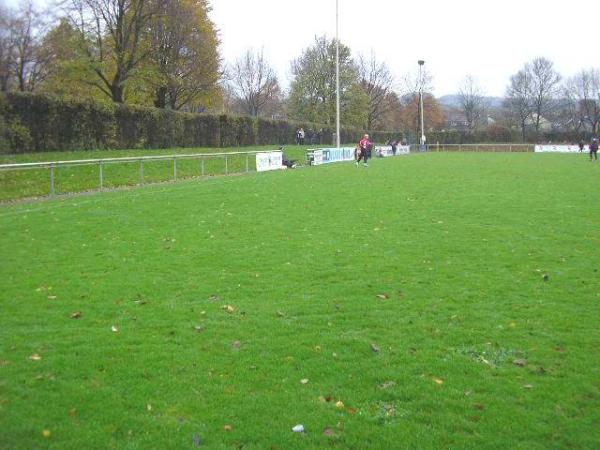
[424, 302]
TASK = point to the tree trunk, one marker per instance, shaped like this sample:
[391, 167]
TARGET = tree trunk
[161, 97]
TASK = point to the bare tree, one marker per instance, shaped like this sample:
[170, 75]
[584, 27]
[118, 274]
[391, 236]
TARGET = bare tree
[7, 47]
[518, 99]
[254, 82]
[583, 90]
[377, 82]
[472, 102]
[25, 30]
[114, 50]
[544, 82]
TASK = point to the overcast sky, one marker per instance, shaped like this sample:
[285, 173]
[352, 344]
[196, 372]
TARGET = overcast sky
[490, 40]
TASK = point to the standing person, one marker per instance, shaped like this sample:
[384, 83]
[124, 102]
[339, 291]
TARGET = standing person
[298, 136]
[581, 145]
[302, 136]
[365, 145]
[594, 149]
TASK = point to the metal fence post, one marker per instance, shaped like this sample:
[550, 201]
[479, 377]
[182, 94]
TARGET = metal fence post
[52, 190]
[226, 168]
[174, 169]
[101, 166]
[141, 171]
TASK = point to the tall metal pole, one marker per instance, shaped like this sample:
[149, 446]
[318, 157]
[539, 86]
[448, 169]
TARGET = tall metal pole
[337, 76]
[421, 62]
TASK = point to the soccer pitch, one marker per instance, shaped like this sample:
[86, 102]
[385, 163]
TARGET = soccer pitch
[430, 301]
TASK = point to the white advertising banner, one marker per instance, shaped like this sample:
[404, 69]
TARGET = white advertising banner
[386, 151]
[317, 157]
[269, 161]
[558, 148]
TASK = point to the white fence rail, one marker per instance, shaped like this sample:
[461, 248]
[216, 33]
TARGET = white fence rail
[202, 157]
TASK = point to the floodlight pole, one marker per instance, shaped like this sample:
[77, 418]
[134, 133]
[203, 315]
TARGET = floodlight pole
[423, 139]
[337, 76]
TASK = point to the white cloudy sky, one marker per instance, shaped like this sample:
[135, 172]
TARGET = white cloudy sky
[490, 40]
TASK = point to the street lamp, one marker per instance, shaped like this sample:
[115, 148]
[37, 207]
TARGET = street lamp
[337, 77]
[423, 139]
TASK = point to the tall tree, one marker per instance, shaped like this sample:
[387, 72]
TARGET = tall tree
[518, 99]
[67, 72]
[26, 33]
[583, 91]
[472, 102]
[377, 81]
[7, 47]
[114, 50]
[313, 89]
[544, 87]
[184, 58]
[254, 82]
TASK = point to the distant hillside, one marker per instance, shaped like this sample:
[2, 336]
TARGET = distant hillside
[453, 101]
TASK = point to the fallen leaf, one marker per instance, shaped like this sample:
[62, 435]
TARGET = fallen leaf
[479, 406]
[339, 404]
[236, 345]
[46, 433]
[52, 297]
[228, 308]
[114, 329]
[149, 407]
[328, 431]
[528, 386]
[35, 357]
[545, 277]
[72, 412]
[196, 440]
[383, 296]
[322, 399]
[375, 348]
[352, 411]
[438, 381]
[198, 328]
[214, 298]
[317, 348]
[520, 362]
[280, 314]
[76, 315]
[227, 428]
[304, 381]
[387, 384]
[298, 428]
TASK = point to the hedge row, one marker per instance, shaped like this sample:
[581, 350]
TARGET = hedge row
[37, 123]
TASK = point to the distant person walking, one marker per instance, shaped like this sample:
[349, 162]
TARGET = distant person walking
[364, 146]
[581, 145]
[594, 150]
[302, 136]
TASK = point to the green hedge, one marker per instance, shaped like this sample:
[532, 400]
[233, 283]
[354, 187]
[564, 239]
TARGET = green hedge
[37, 123]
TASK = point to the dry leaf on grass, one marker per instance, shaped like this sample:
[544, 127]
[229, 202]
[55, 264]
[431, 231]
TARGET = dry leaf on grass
[76, 315]
[520, 362]
[304, 381]
[227, 427]
[438, 381]
[35, 357]
[114, 329]
[228, 308]
[375, 348]
[236, 345]
[339, 404]
[383, 296]
[328, 431]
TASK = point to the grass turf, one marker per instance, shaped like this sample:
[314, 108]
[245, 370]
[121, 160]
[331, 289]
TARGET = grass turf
[448, 301]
